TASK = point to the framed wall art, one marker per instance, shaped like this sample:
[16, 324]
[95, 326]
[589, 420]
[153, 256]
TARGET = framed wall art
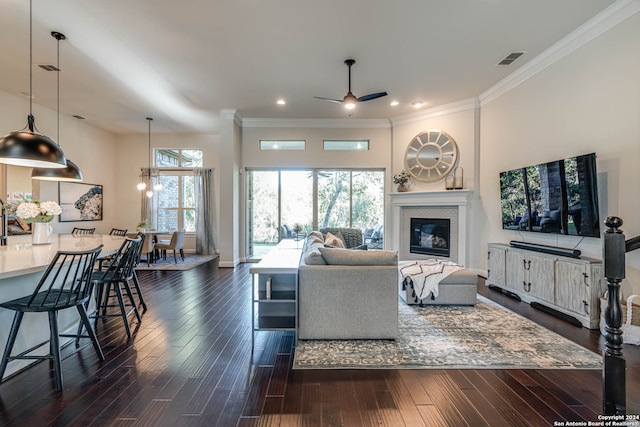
[80, 201]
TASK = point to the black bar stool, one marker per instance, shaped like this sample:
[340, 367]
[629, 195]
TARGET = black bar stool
[116, 278]
[66, 283]
[144, 243]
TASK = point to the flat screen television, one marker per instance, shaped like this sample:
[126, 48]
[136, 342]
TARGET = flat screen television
[559, 197]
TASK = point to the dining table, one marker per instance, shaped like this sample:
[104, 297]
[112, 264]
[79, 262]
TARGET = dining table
[22, 264]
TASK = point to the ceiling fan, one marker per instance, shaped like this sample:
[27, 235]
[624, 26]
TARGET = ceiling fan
[350, 99]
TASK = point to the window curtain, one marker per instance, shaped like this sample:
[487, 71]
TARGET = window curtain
[148, 207]
[205, 212]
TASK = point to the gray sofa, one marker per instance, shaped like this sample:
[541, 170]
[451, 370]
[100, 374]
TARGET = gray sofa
[347, 293]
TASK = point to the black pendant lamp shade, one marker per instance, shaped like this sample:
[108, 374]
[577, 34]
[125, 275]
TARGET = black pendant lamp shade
[71, 172]
[27, 147]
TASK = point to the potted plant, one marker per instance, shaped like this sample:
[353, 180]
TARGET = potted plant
[39, 214]
[401, 179]
[143, 226]
[297, 228]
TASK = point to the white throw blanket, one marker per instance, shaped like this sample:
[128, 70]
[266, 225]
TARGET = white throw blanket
[426, 275]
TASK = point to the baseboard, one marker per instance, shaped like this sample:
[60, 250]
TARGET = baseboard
[553, 250]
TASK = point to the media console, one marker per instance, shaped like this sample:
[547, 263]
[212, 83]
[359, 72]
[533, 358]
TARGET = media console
[556, 283]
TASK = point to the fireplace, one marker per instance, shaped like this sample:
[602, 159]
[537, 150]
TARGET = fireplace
[430, 236]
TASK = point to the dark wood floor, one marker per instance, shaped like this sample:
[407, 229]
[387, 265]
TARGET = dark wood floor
[190, 363]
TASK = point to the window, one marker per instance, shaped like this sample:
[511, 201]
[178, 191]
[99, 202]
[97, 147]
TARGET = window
[331, 145]
[176, 204]
[282, 145]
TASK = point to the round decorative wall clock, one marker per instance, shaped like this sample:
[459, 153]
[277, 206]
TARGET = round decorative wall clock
[430, 156]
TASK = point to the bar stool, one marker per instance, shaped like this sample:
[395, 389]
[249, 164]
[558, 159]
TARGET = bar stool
[116, 277]
[146, 242]
[65, 284]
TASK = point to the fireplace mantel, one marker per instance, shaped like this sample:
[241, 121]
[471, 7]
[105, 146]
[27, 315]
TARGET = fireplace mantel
[431, 198]
[458, 199]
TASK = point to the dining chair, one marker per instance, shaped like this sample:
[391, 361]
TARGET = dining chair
[118, 232]
[176, 243]
[82, 231]
[65, 284]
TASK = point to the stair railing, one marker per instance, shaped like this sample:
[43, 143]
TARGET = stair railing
[614, 249]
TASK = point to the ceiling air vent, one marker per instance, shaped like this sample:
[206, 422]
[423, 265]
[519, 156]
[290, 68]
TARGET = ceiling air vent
[78, 117]
[508, 60]
[48, 67]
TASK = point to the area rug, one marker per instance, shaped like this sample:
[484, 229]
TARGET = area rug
[190, 261]
[487, 336]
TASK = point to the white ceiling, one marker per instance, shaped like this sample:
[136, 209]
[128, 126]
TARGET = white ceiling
[181, 62]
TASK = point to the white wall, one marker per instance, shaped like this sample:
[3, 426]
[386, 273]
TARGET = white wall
[314, 155]
[460, 124]
[92, 149]
[587, 102]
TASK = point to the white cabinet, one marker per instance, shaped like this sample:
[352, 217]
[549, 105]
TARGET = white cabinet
[572, 286]
[531, 274]
[496, 265]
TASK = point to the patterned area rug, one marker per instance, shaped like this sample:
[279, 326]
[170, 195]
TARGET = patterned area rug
[190, 261]
[487, 336]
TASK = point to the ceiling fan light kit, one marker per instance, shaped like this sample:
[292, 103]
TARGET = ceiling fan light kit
[350, 100]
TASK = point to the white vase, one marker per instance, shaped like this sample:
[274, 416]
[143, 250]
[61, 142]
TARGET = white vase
[41, 233]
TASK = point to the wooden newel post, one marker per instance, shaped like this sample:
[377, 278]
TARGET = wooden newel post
[613, 255]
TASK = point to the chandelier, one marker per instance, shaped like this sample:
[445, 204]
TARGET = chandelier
[149, 174]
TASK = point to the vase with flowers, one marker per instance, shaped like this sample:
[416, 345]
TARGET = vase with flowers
[39, 214]
[401, 179]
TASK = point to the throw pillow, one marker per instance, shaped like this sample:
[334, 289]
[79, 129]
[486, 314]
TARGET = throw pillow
[338, 256]
[333, 240]
[317, 234]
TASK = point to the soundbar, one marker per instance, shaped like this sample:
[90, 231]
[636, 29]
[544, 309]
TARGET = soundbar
[553, 250]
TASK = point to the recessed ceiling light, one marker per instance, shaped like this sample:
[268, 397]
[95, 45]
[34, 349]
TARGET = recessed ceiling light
[417, 104]
[281, 101]
[394, 103]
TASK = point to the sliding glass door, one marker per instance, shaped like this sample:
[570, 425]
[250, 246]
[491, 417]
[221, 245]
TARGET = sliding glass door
[280, 202]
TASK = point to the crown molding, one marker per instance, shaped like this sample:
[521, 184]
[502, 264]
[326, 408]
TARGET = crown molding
[315, 123]
[231, 113]
[441, 110]
[599, 24]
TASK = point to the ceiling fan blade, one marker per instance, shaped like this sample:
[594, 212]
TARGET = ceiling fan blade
[337, 101]
[372, 96]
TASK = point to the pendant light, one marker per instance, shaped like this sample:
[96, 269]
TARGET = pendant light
[28, 147]
[142, 185]
[71, 173]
